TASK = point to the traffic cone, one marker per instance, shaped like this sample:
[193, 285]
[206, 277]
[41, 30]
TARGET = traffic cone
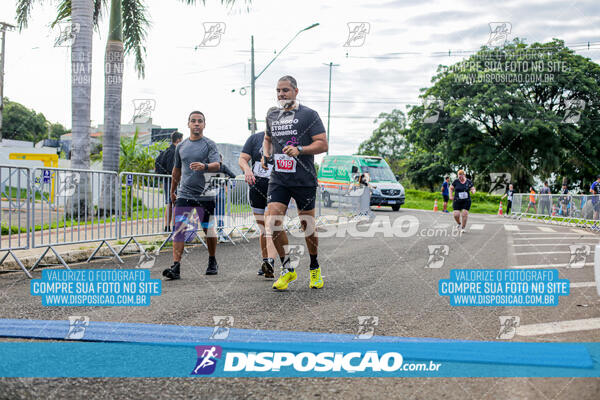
[500, 209]
[435, 206]
[553, 209]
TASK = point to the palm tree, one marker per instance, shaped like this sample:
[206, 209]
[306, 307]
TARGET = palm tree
[127, 32]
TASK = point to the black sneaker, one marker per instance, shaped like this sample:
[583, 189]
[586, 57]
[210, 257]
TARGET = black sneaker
[213, 267]
[260, 271]
[267, 269]
[173, 272]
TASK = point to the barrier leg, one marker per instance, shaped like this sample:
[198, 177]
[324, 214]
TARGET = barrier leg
[58, 257]
[139, 246]
[111, 250]
[14, 256]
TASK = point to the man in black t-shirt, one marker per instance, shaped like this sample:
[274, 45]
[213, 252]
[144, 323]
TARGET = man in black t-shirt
[294, 134]
[258, 180]
[460, 194]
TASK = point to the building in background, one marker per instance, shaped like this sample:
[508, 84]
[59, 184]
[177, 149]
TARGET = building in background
[145, 130]
[231, 154]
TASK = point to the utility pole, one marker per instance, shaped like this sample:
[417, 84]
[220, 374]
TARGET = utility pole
[3, 27]
[253, 78]
[252, 88]
[331, 65]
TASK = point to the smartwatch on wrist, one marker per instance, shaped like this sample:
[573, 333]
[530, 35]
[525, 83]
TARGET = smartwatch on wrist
[300, 148]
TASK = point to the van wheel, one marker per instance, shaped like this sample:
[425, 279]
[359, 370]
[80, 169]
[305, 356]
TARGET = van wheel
[396, 208]
[326, 199]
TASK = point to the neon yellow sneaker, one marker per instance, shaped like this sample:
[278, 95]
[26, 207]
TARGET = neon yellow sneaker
[285, 279]
[315, 278]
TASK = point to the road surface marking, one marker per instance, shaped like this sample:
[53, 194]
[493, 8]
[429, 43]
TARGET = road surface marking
[581, 231]
[554, 238]
[545, 229]
[549, 233]
[544, 266]
[511, 227]
[582, 284]
[542, 244]
[535, 253]
[559, 327]
[477, 227]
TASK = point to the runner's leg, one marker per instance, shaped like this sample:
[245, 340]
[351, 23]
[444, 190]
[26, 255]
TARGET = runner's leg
[276, 231]
[465, 217]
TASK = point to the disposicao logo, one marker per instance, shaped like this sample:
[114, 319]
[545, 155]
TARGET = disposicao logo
[207, 359]
[306, 361]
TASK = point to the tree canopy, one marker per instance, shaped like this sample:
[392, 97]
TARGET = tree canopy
[530, 110]
[22, 123]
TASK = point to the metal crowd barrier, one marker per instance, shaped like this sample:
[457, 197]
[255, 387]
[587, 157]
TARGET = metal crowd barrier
[14, 212]
[71, 206]
[49, 207]
[561, 209]
[145, 204]
[348, 201]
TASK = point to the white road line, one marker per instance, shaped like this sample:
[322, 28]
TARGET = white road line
[553, 238]
[542, 244]
[535, 253]
[581, 231]
[544, 266]
[550, 233]
[477, 227]
[582, 284]
[442, 226]
[511, 227]
[559, 327]
[545, 229]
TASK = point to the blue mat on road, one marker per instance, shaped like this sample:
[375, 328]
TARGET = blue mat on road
[572, 355]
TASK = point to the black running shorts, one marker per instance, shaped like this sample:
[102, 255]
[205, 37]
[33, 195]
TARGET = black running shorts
[304, 195]
[258, 195]
[459, 205]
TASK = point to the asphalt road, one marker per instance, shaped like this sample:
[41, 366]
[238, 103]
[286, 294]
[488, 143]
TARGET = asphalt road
[388, 277]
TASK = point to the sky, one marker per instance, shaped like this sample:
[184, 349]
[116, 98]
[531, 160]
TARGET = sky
[404, 44]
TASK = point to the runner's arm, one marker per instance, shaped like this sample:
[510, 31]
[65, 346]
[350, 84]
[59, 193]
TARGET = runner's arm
[451, 192]
[267, 150]
[319, 145]
[175, 178]
[243, 163]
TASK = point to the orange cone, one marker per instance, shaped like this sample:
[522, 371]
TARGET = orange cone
[500, 209]
[554, 209]
[435, 206]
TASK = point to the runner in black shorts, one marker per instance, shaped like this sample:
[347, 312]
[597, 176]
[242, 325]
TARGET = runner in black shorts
[193, 157]
[294, 134]
[258, 179]
[460, 192]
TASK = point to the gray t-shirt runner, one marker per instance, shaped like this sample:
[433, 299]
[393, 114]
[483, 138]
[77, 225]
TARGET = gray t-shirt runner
[193, 185]
[295, 127]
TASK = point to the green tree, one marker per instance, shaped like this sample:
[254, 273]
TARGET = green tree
[22, 123]
[514, 126]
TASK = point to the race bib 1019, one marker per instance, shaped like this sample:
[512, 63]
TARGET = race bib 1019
[284, 163]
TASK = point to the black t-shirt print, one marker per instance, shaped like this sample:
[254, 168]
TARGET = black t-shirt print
[296, 128]
[253, 147]
[462, 191]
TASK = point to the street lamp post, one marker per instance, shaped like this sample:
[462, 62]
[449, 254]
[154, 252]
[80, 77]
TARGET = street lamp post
[3, 28]
[253, 78]
[331, 65]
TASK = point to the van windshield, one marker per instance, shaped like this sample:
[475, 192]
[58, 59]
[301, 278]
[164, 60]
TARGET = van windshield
[379, 173]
